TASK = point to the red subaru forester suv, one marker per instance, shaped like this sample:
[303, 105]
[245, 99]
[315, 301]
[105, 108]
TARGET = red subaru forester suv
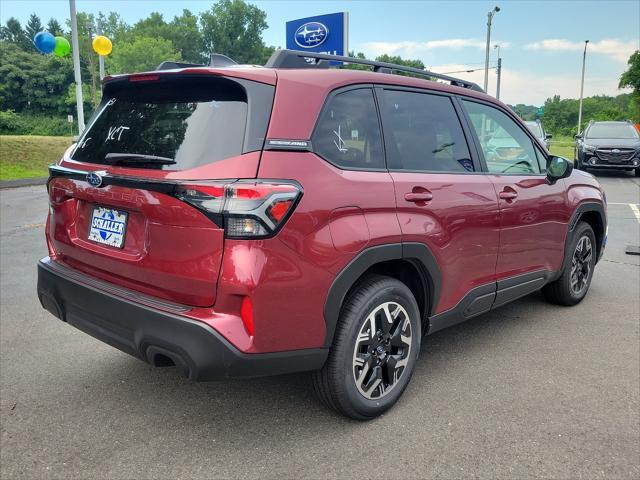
[243, 221]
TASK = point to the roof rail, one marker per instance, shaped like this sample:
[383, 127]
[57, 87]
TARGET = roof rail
[296, 59]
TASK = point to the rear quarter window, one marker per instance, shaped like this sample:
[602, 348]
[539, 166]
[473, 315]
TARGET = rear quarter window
[348, 132]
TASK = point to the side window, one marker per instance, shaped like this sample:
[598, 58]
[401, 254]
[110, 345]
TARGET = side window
[506, 148]
[423, 133]
[348, 132]
[542, 160]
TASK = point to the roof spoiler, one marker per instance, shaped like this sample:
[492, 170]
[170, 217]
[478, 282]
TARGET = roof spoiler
[296, 59]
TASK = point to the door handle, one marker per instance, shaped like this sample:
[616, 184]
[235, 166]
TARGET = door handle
[508, 194]
[417, 197]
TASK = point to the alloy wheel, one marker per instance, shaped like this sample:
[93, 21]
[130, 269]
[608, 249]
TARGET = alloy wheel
[382, 350]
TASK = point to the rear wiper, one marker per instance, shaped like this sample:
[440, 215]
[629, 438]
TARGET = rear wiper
[115, 158]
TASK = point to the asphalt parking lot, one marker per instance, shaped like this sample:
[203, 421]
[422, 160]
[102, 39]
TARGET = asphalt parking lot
[529, 390]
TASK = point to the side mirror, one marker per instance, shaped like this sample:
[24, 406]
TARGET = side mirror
[579, 136]
[557, 168]
[548, 136]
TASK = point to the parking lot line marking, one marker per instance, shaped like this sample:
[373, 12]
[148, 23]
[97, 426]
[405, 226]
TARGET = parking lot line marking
[636, 211]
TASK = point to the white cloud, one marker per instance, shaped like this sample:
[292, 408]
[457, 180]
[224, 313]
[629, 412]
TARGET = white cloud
[619, 50]
[411, 48]
[533, 88]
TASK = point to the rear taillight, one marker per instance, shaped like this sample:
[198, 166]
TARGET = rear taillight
[246, 209]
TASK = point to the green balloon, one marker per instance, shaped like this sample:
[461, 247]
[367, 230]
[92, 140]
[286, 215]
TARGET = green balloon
[62, 47]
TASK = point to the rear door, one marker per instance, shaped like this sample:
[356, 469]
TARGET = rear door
[123, 201]
[443, 200]
[533, 215]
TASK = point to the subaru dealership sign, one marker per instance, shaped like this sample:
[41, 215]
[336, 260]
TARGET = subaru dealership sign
[320, 34]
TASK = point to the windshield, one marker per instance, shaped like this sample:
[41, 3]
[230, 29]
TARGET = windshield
[172, 125]
[535, 127]
[612, 130]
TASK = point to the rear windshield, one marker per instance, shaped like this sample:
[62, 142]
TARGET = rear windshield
[612, 130]
[174, 125]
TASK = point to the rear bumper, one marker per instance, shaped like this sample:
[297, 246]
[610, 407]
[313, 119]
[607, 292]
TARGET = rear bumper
[154, 335]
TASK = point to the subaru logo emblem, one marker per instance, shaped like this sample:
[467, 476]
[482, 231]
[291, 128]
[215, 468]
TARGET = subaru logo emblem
[94, 179]
[311, 34]
[615, 150]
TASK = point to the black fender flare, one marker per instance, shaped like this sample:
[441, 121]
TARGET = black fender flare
[575, 218]
[417, 253]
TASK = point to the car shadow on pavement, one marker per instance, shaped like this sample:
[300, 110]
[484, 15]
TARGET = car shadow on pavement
[163, 395]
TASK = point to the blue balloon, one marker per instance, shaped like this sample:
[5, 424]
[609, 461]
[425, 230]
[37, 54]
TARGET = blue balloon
[44, 42]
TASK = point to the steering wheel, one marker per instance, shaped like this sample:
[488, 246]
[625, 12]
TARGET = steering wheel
[526, 163]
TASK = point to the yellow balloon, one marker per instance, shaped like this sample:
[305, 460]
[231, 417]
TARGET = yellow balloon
[102, 45]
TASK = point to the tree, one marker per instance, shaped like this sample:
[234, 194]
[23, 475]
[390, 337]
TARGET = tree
[32, 82]
[141, 55]
[54, 27]
[182, 32]
[113, 26]
[33, 26]
[12, 32]
[234, 28]
[631, 78]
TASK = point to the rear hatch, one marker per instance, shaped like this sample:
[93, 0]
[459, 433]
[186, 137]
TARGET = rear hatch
[137, 201]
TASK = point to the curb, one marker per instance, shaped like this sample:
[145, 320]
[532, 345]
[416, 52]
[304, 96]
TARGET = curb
[23, 182]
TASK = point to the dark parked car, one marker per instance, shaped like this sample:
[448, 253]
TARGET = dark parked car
[246, 221]
[609, 145]
[538, 130]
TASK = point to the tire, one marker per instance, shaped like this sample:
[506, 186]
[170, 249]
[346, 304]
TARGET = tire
[637, 172]
[355, 348]
[569, 290]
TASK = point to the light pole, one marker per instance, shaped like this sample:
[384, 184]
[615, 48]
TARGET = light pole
[584, 59]
[498, 72]
[486, 60]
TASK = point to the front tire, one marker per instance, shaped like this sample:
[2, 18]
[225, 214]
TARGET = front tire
[574, 282]
[637, 172]
[375, 348]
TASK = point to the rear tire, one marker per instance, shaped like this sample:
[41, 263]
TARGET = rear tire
[574, 282]
[367, 371]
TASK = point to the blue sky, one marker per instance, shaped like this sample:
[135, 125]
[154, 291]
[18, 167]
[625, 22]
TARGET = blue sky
[541, 41]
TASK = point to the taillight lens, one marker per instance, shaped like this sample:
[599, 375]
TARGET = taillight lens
[246, 209]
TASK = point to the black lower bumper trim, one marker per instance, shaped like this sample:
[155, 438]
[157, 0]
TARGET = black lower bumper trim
[154, 336]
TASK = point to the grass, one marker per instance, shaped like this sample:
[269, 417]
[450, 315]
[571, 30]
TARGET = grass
[28, 156]
[563, 147]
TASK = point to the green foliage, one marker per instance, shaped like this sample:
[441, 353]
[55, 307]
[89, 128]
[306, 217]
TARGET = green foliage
[33, 83]
[55, 28]
[33, 26]
[631, 78]
[12, 123]
[561, 115]
[12, 32]
[525, 112]
[234, 28]
[182, 32]
[142, 54]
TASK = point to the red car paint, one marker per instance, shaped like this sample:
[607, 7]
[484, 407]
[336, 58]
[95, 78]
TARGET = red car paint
[174, 252]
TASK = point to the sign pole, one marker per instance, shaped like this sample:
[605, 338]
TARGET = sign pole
[76, 65]
[100, 57]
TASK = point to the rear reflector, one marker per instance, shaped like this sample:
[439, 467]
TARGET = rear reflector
[246, 313]
[246, 209]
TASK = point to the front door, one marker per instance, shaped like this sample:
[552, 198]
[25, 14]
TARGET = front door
[533, 216]
[443, 200]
